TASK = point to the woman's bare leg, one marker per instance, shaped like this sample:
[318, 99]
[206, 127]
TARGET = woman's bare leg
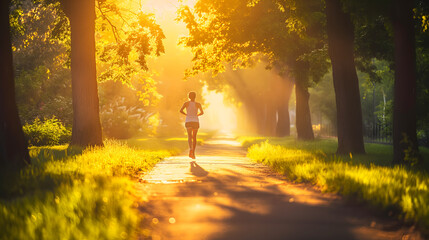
[194, 139]
[191, 148]
[189, 130]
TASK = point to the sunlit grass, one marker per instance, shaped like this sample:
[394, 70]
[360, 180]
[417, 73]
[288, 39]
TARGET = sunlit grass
[70, 193]
[369, 178]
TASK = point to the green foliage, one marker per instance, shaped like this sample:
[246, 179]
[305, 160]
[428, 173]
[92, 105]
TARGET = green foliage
[43, 94]
[126, 38]
[422, 15]
[41, 46]
[47, 132]
[322, 101]
[377, 96]
[68, 195]
[411, 156]
[288, 33]
[285, 36]
[96, 209]
[378, 109]
[422, 94]
[41, 61]
[123, 114]
[374, 40]
[369, 178]
[121, 121]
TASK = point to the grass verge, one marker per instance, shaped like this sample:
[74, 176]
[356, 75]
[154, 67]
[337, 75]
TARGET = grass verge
[369, 178]
[70, 193]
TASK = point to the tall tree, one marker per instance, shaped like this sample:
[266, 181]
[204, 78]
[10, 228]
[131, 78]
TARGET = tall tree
[13, 146]
[141, 37]
[403, 17]
[86, 129]
[264, 27]
[282, 104]
[341, 50]
[422, 59]
[405, 145]
[303, 116]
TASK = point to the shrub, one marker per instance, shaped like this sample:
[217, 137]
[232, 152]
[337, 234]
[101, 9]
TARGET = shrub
[122, 120]
[47, 132]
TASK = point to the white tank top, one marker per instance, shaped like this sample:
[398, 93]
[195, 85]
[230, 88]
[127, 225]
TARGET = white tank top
[191, 112]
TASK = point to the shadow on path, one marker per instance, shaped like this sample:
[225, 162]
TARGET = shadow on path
[227, 196]
[198, 171]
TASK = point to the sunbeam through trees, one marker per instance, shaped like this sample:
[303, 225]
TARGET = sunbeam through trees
[332, 93]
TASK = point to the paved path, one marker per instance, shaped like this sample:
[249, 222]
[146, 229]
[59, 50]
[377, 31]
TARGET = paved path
[224, 195]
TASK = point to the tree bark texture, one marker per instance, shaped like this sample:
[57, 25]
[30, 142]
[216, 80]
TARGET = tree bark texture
[405, 145]
[86, 120]
[13, 146]
[341, 50]
[304, 128]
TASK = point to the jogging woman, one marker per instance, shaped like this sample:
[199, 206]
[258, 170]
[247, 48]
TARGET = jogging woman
[192, 123]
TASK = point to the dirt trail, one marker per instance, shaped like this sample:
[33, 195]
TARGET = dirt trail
[225, 195]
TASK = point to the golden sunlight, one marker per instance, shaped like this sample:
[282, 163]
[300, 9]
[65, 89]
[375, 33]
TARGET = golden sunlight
[164, 9]
[218, 116]
[213, 119]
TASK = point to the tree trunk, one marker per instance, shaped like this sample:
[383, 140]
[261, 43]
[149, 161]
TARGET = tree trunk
[13, 146]
[270, 119]
[349, 114]
[405, 145]
[86, 120]
[283, 118]
[304, 128]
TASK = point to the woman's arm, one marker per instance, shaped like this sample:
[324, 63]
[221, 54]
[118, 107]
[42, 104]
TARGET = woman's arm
[183, 107]
[201, 109]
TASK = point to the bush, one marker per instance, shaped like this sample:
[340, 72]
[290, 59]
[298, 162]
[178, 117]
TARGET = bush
[122, 120]
[47, 132]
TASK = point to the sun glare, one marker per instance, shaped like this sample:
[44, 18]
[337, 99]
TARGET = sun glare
[164, 9]
[218, 115]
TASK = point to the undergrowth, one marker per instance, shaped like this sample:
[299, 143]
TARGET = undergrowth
[50, 131]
